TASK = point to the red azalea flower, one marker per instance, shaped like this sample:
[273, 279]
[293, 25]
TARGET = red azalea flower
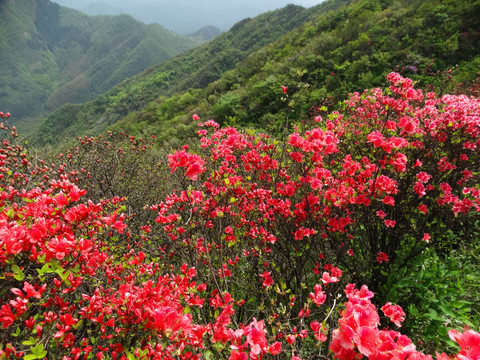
[268, 280]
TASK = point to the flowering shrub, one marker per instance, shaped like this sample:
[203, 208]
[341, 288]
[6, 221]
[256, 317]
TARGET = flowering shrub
[358, 334]
[108, 166]
[392, 174]
[251, 250]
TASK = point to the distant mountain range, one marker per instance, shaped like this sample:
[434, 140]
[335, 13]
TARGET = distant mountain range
[206, 33]
[183, 16]
[193, 69]
[52, 55]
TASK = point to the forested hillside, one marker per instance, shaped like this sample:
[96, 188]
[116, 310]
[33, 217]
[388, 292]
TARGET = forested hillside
[331, 49]
[194, 69]
[53, 55]
[183, 16]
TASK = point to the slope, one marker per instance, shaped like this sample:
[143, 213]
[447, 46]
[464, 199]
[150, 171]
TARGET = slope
[52, 55]
[193, 69]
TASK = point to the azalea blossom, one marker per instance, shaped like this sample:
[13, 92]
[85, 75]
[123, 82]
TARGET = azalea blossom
[268, 280]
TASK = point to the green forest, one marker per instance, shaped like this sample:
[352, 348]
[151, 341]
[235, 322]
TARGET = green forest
[304, 186]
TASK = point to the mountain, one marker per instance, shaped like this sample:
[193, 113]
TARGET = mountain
[206, 33]
[183, 16]
[53, 55]
[193, 69]
[332, 49]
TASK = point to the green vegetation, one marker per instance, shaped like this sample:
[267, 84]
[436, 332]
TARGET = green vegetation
[194, 69]
[332, 49]
[438, 291]
[206, 33]
[53, 55]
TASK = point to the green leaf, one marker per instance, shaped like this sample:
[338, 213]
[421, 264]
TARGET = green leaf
[432, 314]
[442, 331]
[468, 322]
[218, 346]
[41, 258]
[130, 356]
[18, 273]
[30, 357]
[30, 341]
[459, 303]
[405, 282]
[454, 273]
[16, 333]
[447, 310]
[78, 324]
[38, 351]
[65, 275]
[46, 269]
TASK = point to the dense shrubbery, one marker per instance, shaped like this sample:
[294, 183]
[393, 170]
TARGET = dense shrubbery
[246, 248]
[114, 165]
[438, 291]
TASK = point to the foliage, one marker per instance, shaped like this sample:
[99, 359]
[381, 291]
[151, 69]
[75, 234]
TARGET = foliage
[193, 69]
[113, 166]
[437, 290]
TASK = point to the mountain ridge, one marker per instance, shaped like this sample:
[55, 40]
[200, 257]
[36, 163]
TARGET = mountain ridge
[206, 33]
[185, 16]
[52, 55]
[193, 68]
[336, 48]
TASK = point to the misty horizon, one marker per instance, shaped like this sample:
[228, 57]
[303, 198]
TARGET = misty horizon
[184, 16]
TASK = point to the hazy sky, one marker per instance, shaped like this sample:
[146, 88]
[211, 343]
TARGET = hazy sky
[184, 16]
[309, 2]
[198, 3]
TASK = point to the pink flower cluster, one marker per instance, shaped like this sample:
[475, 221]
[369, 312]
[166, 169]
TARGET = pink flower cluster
[358, 334]
[193, 163]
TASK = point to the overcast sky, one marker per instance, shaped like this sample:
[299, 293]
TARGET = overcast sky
[184, 16]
